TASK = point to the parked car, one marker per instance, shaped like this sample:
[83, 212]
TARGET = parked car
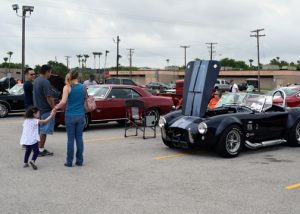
[7, 82]
[110, 101]
[157, 86]
[11, 100]
[122, 81]
[243, 86]
[292, 96]
[223, 85]
[250, 120]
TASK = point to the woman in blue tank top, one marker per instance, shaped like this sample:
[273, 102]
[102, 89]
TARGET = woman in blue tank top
[73, 98]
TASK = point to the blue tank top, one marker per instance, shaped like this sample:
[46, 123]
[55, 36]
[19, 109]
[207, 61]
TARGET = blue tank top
[75, 103]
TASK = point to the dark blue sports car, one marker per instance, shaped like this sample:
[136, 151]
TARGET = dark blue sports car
[240, 119]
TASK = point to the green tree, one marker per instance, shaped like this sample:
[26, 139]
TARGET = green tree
[57, 68]
[226, 62]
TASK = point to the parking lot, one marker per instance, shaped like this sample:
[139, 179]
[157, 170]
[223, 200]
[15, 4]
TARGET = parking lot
[133, 175]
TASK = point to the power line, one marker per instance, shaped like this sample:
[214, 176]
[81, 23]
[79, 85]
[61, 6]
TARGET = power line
[184, 47]
[211, 46]
[257, 36]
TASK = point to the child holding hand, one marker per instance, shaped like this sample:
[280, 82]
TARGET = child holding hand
[30, 136]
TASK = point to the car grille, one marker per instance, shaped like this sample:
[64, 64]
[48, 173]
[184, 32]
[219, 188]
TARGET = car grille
[178, 136]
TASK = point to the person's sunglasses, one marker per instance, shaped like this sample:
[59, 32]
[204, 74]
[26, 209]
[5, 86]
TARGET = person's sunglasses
[32, 74]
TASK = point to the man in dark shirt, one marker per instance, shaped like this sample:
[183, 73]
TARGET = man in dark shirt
[43, 99]
[28, 87]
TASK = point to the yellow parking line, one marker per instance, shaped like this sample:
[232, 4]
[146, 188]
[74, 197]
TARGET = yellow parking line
[294, 186]
[111, 138]
[103, 139]
[169, 156]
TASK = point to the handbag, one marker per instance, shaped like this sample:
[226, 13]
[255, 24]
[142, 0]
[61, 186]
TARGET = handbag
[89, 103]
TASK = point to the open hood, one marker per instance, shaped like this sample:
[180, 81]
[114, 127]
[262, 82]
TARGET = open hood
[199, 81]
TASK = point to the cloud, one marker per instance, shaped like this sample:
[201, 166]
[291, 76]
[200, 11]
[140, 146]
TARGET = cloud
[155, 29]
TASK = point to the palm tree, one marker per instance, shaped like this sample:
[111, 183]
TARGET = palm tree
[106, 52]
[82, 63]
[5, 60]
[95, 54]
[85, 58]
[251, 61]
[79, 57]
[99, 54]
[9, 55]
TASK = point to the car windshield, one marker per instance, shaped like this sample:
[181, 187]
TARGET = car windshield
[16, 90]
[255, 102]
[99, 92]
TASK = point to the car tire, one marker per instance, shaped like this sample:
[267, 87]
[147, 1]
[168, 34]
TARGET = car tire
[3, 110]
[87, 121]
[155, 112]
[294, 136]
[168, 143]
[231, 142]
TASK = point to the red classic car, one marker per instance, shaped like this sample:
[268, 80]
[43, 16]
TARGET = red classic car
[292, 96]
[110, 101]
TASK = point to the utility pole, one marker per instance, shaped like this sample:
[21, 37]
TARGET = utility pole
[257, 35]
[131, 51]
[211, 47]
[184, 47]
[118, 55]
[67, 59]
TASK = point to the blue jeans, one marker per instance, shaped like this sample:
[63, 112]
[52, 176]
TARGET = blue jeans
[74, 125]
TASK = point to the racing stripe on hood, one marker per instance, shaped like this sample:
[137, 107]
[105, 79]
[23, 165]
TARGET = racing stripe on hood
[199, 82]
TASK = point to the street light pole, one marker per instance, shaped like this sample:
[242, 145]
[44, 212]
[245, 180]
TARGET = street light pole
[25, 9]
[185, 47]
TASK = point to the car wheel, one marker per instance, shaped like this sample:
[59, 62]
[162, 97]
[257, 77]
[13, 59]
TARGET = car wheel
[153, 112]
[231, 142]
[294, 139]
[168, 143]
[87, 121]
[3, 110]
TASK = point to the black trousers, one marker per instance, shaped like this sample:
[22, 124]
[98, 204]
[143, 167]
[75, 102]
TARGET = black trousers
[29, 148]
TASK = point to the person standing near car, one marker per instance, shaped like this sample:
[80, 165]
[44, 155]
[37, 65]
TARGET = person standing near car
[73, 97]
[43, 100]
[234, 87]
[28, 87]
[90, 81]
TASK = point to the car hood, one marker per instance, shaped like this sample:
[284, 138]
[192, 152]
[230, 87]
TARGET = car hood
[185, 121]
[199, 80]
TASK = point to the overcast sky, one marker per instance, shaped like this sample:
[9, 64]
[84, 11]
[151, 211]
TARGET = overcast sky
[155, 29]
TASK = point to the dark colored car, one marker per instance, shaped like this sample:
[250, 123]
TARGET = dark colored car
[7, 82]
[110, 101]
[11, 100]
[243, 86]
[157, 86]
[250, 120]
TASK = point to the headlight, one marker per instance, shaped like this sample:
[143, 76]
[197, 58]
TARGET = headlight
[162, 122]
[202, 128]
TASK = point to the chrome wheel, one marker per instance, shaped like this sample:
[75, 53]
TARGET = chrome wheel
[233, 141]
[3, 110]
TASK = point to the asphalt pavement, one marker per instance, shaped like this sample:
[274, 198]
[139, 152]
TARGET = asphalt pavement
[132, 175]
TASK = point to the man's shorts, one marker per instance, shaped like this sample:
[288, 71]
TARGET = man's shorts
[47, 128]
